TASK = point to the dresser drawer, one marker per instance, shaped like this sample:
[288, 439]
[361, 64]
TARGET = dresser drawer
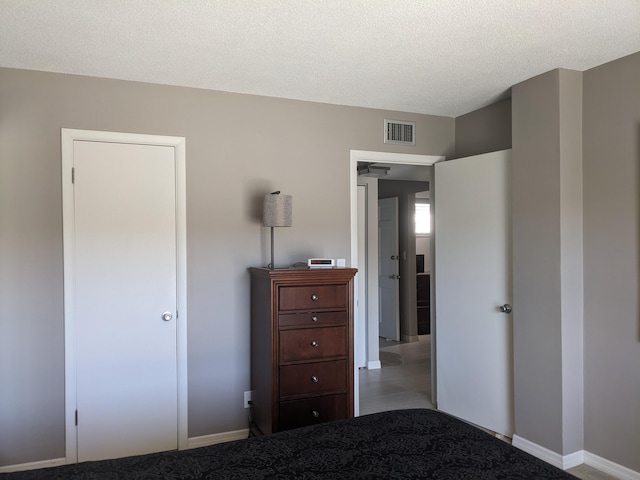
[313, 378]
[312, 297]
[311, 319]
[312, 343]
[309, 411]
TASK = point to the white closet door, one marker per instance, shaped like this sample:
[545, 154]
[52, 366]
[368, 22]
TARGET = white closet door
[125, 274]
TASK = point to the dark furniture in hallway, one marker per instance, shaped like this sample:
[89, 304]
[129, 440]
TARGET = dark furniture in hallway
[423, 284]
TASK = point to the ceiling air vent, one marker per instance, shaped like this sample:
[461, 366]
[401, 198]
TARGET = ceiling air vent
[400, 133]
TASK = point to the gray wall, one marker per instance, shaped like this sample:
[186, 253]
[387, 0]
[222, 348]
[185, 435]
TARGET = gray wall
[576, 144]
[576, 213]
[611, 260]
[484, 130]
[238, 148]
[547, 260]
[571, 252]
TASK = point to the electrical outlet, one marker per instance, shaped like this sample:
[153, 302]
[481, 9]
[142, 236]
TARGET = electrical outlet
[247, 399]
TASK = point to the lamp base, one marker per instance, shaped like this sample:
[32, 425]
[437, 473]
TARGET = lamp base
[272, 265]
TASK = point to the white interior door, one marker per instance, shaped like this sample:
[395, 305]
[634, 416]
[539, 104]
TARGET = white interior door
[473, 279]
[389, 279]
[125, 280]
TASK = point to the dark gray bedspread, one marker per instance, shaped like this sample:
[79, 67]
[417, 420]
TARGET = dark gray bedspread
[403, 444]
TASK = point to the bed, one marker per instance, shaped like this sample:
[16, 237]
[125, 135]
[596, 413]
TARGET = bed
[401, 444]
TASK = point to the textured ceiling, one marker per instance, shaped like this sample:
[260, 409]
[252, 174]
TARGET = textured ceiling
[443, 57]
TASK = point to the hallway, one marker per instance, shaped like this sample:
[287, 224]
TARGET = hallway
[404, 381]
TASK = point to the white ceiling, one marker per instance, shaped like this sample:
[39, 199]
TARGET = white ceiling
[443, 57]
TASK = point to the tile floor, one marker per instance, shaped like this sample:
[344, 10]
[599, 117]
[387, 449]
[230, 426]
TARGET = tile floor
[404, 381]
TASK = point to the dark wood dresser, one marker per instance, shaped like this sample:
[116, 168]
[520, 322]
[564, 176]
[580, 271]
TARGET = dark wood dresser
[301, 346]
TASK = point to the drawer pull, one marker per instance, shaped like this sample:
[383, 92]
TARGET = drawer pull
[315, 414]
[314, 319]
[314, 297]
[314, 379]
[314, 343]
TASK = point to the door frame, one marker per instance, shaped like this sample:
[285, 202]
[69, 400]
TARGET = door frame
[361, 350]
[68, 137]
[356, 156]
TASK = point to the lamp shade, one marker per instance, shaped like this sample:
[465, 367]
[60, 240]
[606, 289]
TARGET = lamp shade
[277, 210]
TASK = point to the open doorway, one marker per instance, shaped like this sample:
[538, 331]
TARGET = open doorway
[404, 377]
[404, 255]
[477, 252]
[396, 355]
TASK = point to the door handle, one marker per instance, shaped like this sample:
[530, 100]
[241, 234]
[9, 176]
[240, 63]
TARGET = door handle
[394, 277]
[506, 308]
[167, 316]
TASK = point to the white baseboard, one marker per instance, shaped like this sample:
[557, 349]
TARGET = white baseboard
[409, 338]
[542, 453]
[575, 459]
[613, 469]
[206, 440]
[193, 442]
[375, 365]
[33, 465]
